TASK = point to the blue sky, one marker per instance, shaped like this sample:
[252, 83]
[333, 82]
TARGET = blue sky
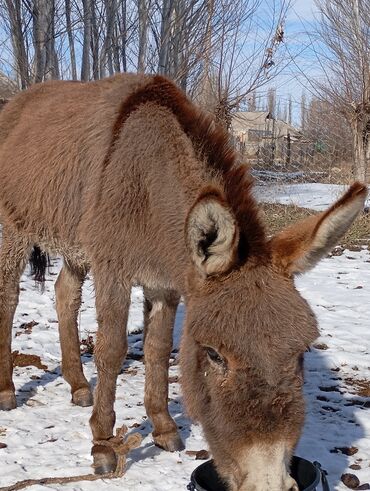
[303, 9]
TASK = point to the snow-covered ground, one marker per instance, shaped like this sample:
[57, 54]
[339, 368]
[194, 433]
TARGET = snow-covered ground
[316, 196]
[48, 436]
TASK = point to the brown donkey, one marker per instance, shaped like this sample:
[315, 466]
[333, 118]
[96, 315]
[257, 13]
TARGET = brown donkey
[126, 177]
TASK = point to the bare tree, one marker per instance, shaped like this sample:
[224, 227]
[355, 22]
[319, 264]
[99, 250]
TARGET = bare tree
[271, 102]
[123, 34]
[204, 45]
[166, 24]
[18, 42]
[70, 39]
[179, 40]
[303, 111]
[328, 131]
[342, 47]
[143, 17]
[95, 38]
[290, 110]
[106, 53]
[115, 47]
[46, 60]
[247, 55]
[87, 17]
[252, 101]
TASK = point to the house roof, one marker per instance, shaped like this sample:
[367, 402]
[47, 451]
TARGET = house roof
[242, 121]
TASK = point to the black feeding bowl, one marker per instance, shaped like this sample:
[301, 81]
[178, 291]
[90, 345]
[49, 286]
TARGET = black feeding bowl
[306, 474]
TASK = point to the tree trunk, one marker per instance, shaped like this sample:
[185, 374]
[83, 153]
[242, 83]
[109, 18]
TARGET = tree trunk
[46, 64]
[271, 102]
[288, 149]
[116, 50]
[178, 68]
[361, 146]
[52, 66]
[46, 60]
[223, 114]
[85, 65]
[183, 59]
[166, 38]
[94, 43]
[106, 58]
[39, 15]
[303, 112]
[206, 95]
[19, 50]
[143, 7]
[290, 110]
[123, 31]
[72, 53]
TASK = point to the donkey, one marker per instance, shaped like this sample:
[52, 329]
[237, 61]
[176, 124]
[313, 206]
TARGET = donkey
[126, 177]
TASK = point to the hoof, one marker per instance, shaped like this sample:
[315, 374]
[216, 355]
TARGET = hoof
[171, 442]
[83, 397]
[7, 401]
[105, 460]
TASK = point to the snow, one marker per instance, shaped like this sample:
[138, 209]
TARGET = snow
[48, 436]
[316, 196]
[338, 291]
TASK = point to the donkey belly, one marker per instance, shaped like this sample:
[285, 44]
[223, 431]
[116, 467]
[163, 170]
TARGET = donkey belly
[41, 197]
[44, 212]
[45, 160]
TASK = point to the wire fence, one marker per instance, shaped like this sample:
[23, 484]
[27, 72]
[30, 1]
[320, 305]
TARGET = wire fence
[319, 149]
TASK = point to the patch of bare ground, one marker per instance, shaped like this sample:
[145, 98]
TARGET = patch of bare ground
[198, 454]
[25, 360]
[87, 345]
[360, 387]
[278, 216]
[26, 328]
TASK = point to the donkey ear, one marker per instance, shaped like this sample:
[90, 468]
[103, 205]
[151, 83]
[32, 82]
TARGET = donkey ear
[211, 234]
[299, 247]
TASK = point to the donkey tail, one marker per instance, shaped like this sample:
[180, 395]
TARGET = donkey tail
[39, 261]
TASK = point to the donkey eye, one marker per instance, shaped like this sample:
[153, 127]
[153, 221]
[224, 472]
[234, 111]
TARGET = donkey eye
[214, 356]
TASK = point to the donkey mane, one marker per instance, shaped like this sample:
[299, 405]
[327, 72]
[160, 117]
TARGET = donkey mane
[213, 145]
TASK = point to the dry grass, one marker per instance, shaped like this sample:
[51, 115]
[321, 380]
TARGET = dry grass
[360, 387]
[278, 216]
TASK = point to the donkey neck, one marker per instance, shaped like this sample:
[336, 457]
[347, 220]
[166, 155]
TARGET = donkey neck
[172, 176]
[164, 153]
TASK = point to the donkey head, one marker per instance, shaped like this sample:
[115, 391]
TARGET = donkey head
[246, 331]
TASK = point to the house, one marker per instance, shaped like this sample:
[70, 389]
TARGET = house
[253, 130]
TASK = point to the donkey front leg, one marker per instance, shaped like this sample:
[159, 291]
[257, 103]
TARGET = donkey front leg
[14, 252]
[159, 316]
[112, 305]
[68, 292]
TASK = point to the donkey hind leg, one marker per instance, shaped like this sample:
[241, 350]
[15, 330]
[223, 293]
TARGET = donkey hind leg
[14, 252]
[112, 306]
[68, 291]
[159, 318]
